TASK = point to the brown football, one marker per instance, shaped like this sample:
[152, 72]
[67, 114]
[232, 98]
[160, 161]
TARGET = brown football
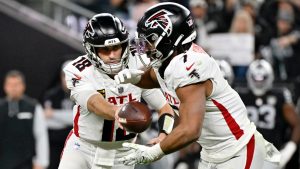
[135, 117]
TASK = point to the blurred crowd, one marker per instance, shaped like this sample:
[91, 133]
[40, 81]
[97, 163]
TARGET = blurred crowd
[273, 24]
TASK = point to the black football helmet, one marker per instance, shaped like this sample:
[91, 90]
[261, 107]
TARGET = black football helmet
[260, 77]
[104, 30]
[164, 28]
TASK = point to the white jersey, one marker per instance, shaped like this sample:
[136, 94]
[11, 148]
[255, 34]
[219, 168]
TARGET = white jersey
[82, 77]
[226, 127]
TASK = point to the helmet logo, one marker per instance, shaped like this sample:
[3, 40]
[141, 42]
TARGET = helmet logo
[89, 31]
[160, 19]
[111, 41]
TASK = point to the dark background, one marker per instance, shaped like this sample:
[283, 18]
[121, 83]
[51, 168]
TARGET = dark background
[34, 53]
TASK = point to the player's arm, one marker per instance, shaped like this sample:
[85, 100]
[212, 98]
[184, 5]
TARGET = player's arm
[148, 80]
[156, 100]
[97, 104]
[85, 95]
[166, 121]
[191, 113]
[292, 118]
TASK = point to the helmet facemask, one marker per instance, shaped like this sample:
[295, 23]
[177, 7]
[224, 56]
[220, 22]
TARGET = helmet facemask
[110, 69]
[146, 51]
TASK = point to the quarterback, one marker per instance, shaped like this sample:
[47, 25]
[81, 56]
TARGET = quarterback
[96, 139]
[210, 111]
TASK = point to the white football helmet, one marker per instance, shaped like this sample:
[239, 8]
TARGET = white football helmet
[226, 70]
[260, 77]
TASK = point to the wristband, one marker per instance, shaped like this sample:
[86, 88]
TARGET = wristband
[165, 123]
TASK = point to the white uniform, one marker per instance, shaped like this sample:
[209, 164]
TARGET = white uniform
[94, 141]
[226, 130]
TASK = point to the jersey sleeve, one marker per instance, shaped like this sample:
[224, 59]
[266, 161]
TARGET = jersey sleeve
[154, 98]
[79, 84]
[193, 68]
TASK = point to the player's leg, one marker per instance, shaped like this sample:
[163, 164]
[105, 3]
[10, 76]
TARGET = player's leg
[250, 157]
[258, 154]
[241, 160]
[108, 155]
[74, 155]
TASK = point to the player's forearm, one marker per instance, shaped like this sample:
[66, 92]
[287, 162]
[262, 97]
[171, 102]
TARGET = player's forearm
[148, 80]
[166, 109]
[101, 107]
[189, 127]
[180, 137]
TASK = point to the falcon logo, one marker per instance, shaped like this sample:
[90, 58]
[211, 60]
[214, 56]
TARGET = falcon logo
[160, 19]
[76, 79]
[194, 74]
[89, 31]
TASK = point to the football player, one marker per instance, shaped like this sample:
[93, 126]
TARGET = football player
[96, 139]
[210, 111]
[273, 111]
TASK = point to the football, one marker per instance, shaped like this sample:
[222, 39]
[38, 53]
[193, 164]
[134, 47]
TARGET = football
[135, 117]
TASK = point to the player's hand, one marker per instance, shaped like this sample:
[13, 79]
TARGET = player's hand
[132, 76]
[287, 153]
[158, 139]
[142, 154]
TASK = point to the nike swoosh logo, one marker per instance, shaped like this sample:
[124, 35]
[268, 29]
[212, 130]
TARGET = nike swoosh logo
[189, 67]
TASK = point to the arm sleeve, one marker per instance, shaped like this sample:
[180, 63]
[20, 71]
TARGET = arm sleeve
[41, 138]
[154, 98]
[81, 88]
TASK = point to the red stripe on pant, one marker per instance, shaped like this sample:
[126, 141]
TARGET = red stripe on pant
[250, 152]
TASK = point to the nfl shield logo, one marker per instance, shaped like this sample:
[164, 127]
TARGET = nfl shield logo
[120, 90]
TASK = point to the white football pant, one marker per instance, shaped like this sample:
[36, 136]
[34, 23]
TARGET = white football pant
[80, 154]
[258, 154]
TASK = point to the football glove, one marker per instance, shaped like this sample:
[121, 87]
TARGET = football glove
[142, 154]
[287, 153]
[132, 76]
